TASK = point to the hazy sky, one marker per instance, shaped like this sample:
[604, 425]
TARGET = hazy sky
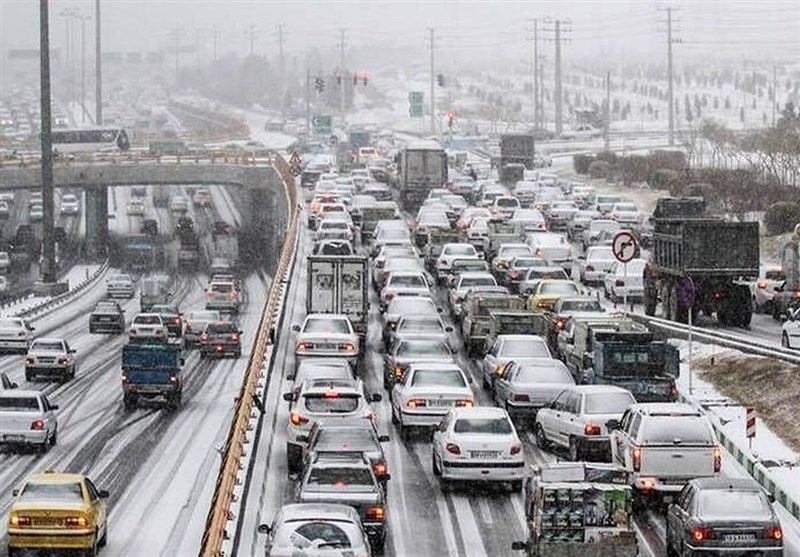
[739, 27]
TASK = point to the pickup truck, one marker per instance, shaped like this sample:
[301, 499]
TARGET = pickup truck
[663, 445]
[478, 317]
[152, 371]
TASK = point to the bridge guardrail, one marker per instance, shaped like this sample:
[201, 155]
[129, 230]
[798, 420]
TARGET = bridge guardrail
[220, 513]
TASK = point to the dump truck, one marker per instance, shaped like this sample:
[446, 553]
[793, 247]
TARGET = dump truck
[423, 166]
[700, 263]
[188, 244]
[152, 372]
[517, 148]
[339, 284]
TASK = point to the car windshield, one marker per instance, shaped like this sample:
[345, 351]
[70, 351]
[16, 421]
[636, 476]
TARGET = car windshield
[499, 426]
[550, 374]
[581, 305]
[423, 348]
[19, 404]
[335, 326]
[331, 403]
[317, 533]
[352, 439]
[628, 207]
[438, 377]
[407, 280]
[733, 505]
[528, 262]
[601, 254]
[47, 346]
[559, 288]
[421, 325]
[339, 479]
[147, 320]
[459, 250]
[466, 282]
[677, 430]
[524, 348]
[46, 491]
[607, 403]
[557, 274]
[507, 202]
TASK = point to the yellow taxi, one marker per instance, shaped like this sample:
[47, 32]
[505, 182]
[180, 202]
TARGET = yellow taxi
[547, 291]
[54, 510]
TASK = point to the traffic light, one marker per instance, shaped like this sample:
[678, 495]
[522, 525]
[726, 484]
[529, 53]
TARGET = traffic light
[450, 117]
[355, 78]
[319, 84]
[339, 78]
[440, 79]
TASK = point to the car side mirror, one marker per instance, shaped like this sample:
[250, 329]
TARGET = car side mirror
[302, 438]
[183, 361]
[263, 529]
[383, 438]
[438, 309]
[519, 546]
[72, 351]
[296, 328]
[785, 318]
[771, 497]
[54, 407]
[288, 397]
[241, 332]
[15, 492]
[448, 329]
[386, 477]
[470, 380]
[14, 385]
[103, 494]
[612, 425]
[376, 398]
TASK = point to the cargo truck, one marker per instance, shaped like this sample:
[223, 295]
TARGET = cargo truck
[225, 244]
[700, 262]
[339, 284]
[517, 148]
[188, 244]
[423, 166]
[152, 372]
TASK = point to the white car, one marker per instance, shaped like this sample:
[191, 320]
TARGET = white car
[178, 204]
[333, 225]
[427, 392]
[135, 207]
[222, 296]
[195, 323]
[326, 335]
[451, 252]
[506, 348]
[48, 357]
[466, 282]
[120, 286]
[148, 327]
[620, 283]
[15, 334]
[524, 387]
[600, 232]
[627, 214]
[596, 264]
[69, 204]
[580, 420]
[27, 418]
[478, 444]
[790, 334]
[404, 284]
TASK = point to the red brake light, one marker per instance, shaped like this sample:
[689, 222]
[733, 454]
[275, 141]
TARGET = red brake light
[375, 513]
[516, 448]
[590, 267]
[379, 468]
[761, 284]
[37, 424]
[702, 534]
[717, 459]
[560, 324]
[204, 337]
[774, 532]
[297, 419]
[235, 336]
[347, 347]
[398, 371]
[305, 346]
[636, 459]
[464, 403]
[331, 394]
[452, 448]
[75, 522]
[416, 403]
[591, 429]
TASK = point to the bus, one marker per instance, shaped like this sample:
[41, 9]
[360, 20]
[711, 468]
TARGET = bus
[98, 139]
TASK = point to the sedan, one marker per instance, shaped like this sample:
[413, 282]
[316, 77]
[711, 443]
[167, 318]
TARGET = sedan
[536, 274]
[507, 252]
[195, 323]
[172, 318]
[478, 444]
[405, 352]
[107, 317]
[357, 436]
[580, 418]
[522, 388]
[401, 283]
[620, 283]
[15, 334]
[27, 418]
[517, 268]
[406, 305]
[420, 327]
[723, 516]
[466, 282]
[426, 393]
[790, 335]
[330, 525]
[600, 232]
[596, 264]
[48, 357]
[220, 339]
[135, 207]
[627, 214]
[506, 348]
[326, 336]
[148, 327]
[55, 510]
[451, 252]
[546, 292]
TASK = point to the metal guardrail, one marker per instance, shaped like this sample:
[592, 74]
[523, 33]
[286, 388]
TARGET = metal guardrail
[210, 156]
[216, 530]
[720, 338]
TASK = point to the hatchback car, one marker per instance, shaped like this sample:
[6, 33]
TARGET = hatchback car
[57, 511]
[478, 444]
[50, 357]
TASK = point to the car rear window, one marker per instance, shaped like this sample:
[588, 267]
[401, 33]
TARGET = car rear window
[483, 425]
[581, 305]
[224, 288]
[306, 535]
[328, 404]
[677, 430]
[438, 377]
[734, 505]
[147, 320]
[420, 325]
[477, 281]
[536, 374]
[607, 403]
[19, 404]
[423, 348]
[221, 328]
[354, 439]
[337, 479]
[45, 346]
[525, 348]
[335, 326]
[407, 280]
[67, 492]
[558, 288]
[459, 250]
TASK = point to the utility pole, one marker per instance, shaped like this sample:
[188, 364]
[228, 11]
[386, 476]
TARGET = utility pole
[98, 68]
[607, 112]
[281, 40]
[83, 19]
[215, 33]
[68, 14]
[308, 102]
[48, 248]
[431, 31]
[342, 72]
[561, 28]
[670, 86]
[533, 37]
[251, 32]
[175, 35]
[774, 92]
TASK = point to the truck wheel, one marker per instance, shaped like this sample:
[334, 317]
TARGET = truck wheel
[129, 401]
[573, 452]
[744, 309]
[785, 340]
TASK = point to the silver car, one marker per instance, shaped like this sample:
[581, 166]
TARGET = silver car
[326, 335]
[523, 388]
[195, 323]
[27, 419]
[15, 334]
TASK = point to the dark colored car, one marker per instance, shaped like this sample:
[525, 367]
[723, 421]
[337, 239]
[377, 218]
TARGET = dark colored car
[107, 317]
[220, 339]
[723, 516]
[173, 319]
[358, 436]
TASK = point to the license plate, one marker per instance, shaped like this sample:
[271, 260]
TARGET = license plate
[440, 403]
[737, 538]
[105, 319]
[47, 521]
[484, 454]
[13, 438]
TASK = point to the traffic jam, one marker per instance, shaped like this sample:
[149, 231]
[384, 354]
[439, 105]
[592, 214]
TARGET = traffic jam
[482, 325]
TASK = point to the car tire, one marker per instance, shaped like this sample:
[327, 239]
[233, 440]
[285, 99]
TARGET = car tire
[395, 421]
[516, 486]
[28, 376]
[573, 451]
[104, 540]
[129, 402]
[54, 438]
[203, 355]
[785, 340]
[668, 543]
[540, 437]
[92, 551]
[238, 354]
[437, 470]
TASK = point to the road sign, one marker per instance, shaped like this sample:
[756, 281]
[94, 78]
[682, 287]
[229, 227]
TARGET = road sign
[295, 170]
[323, 124]
[415, 97]
[624, 247]
[686, 292]
[415, 111]
[295, 159]
[751, 423]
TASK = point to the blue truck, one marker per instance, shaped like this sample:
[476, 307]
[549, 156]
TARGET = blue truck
[152, 372]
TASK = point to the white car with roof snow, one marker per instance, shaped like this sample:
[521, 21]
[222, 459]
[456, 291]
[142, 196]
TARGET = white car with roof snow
[16, 334]
[524, 387]
[451, 252]
[511, 347]
[148, 327]
[27, 418]
[120, 286]
[50, 357]
[326, 335]
[596, 264]
[404, 283]
[790, 331]
[478, 444]
[620, 283]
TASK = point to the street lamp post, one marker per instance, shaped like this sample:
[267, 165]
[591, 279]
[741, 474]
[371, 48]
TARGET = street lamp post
[83, 19]
[68, 14]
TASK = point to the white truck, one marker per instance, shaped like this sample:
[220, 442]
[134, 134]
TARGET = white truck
[339, 284]
[663, 445]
